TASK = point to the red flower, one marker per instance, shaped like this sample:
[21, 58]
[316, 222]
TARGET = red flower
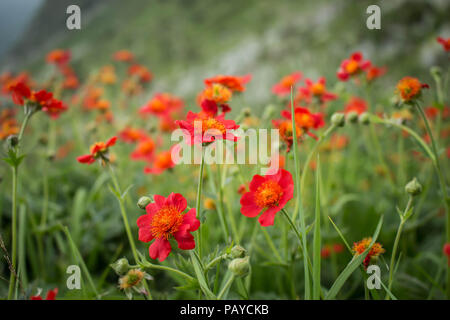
[54, 108]
[98, 149]
[144, 149]
[162, 104]
[325, 252]
[165, 220]
[374, 72]
[315, 89]
[286, 131]
[283, 87]
[51, 295]
[338, 248]
[58, 56]
[446, 250]
[305, 120]
[19, 92]
[234, 83]
[211, 127]
[352, 66]
[123, 56]
[162, 162]
[269, 193]
[357, 105]
[141, 72]
[445, 43]
[131, 135]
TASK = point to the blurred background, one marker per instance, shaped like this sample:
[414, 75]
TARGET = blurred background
[182, 42]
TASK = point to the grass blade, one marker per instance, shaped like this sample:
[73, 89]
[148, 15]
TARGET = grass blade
[317, 238]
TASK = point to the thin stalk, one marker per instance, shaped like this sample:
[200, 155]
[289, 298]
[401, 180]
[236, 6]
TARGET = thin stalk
[396, 242]
[126, 223]
[198, 202]
[307, 162]
[298, 198]
[225, 287]
[149, 265]
[80, 260]
[13, 232]
[442, 183]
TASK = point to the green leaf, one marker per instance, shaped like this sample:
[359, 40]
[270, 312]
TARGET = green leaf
[352, 266]
[201, 277]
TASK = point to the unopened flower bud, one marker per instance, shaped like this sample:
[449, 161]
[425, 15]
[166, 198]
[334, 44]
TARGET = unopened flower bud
[413, 187]
[143, 202]
[338, 119]
[121, 266]
[238, 252]
[240, 266]
[12, 141]
[364, 118]
[352, 117]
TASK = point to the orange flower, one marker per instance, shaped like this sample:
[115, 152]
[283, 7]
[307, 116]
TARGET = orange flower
[8, 123]
[163, 161]
[123, 56]
[283, 87]
[361, 246]
[315, 89]
[234, 83]
[131, 135]
[108, 75]
[58, 57]
[286, 132]
[357, 105]
[162, 104]
[352, 66]
[410, 88]
[144, 150]
[375, 72]
[216, 92]
[141, 72]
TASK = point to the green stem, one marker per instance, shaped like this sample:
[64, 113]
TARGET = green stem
[13, 232]
[198, 201]
[225, 287]
[442, 183]
[125, 221]
[298, 198]
[80, 261]
[396, 242]
[307, 162]
[149, 265]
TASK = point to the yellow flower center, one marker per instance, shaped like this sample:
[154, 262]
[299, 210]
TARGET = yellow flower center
[166, 222]
[268, 194]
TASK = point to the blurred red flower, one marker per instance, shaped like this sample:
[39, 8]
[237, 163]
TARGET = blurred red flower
[357, 105]
[352, 66]
[234, 83]
[98, 150]
[211, 127]
[51, 295]
[445, 43]
[163, 161]
[283, 87]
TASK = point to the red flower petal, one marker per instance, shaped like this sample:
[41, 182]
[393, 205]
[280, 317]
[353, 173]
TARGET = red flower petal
[159, 249]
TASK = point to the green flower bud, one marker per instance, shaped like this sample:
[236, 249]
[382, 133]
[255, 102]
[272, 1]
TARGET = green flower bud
[364, 118]
[352, 117]
[413, 187]
[240, 266]
[338, 119]
[436, 72]
[12, 141]
[269, 112]
[238, 252]
[121, 266]
[143, 202]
